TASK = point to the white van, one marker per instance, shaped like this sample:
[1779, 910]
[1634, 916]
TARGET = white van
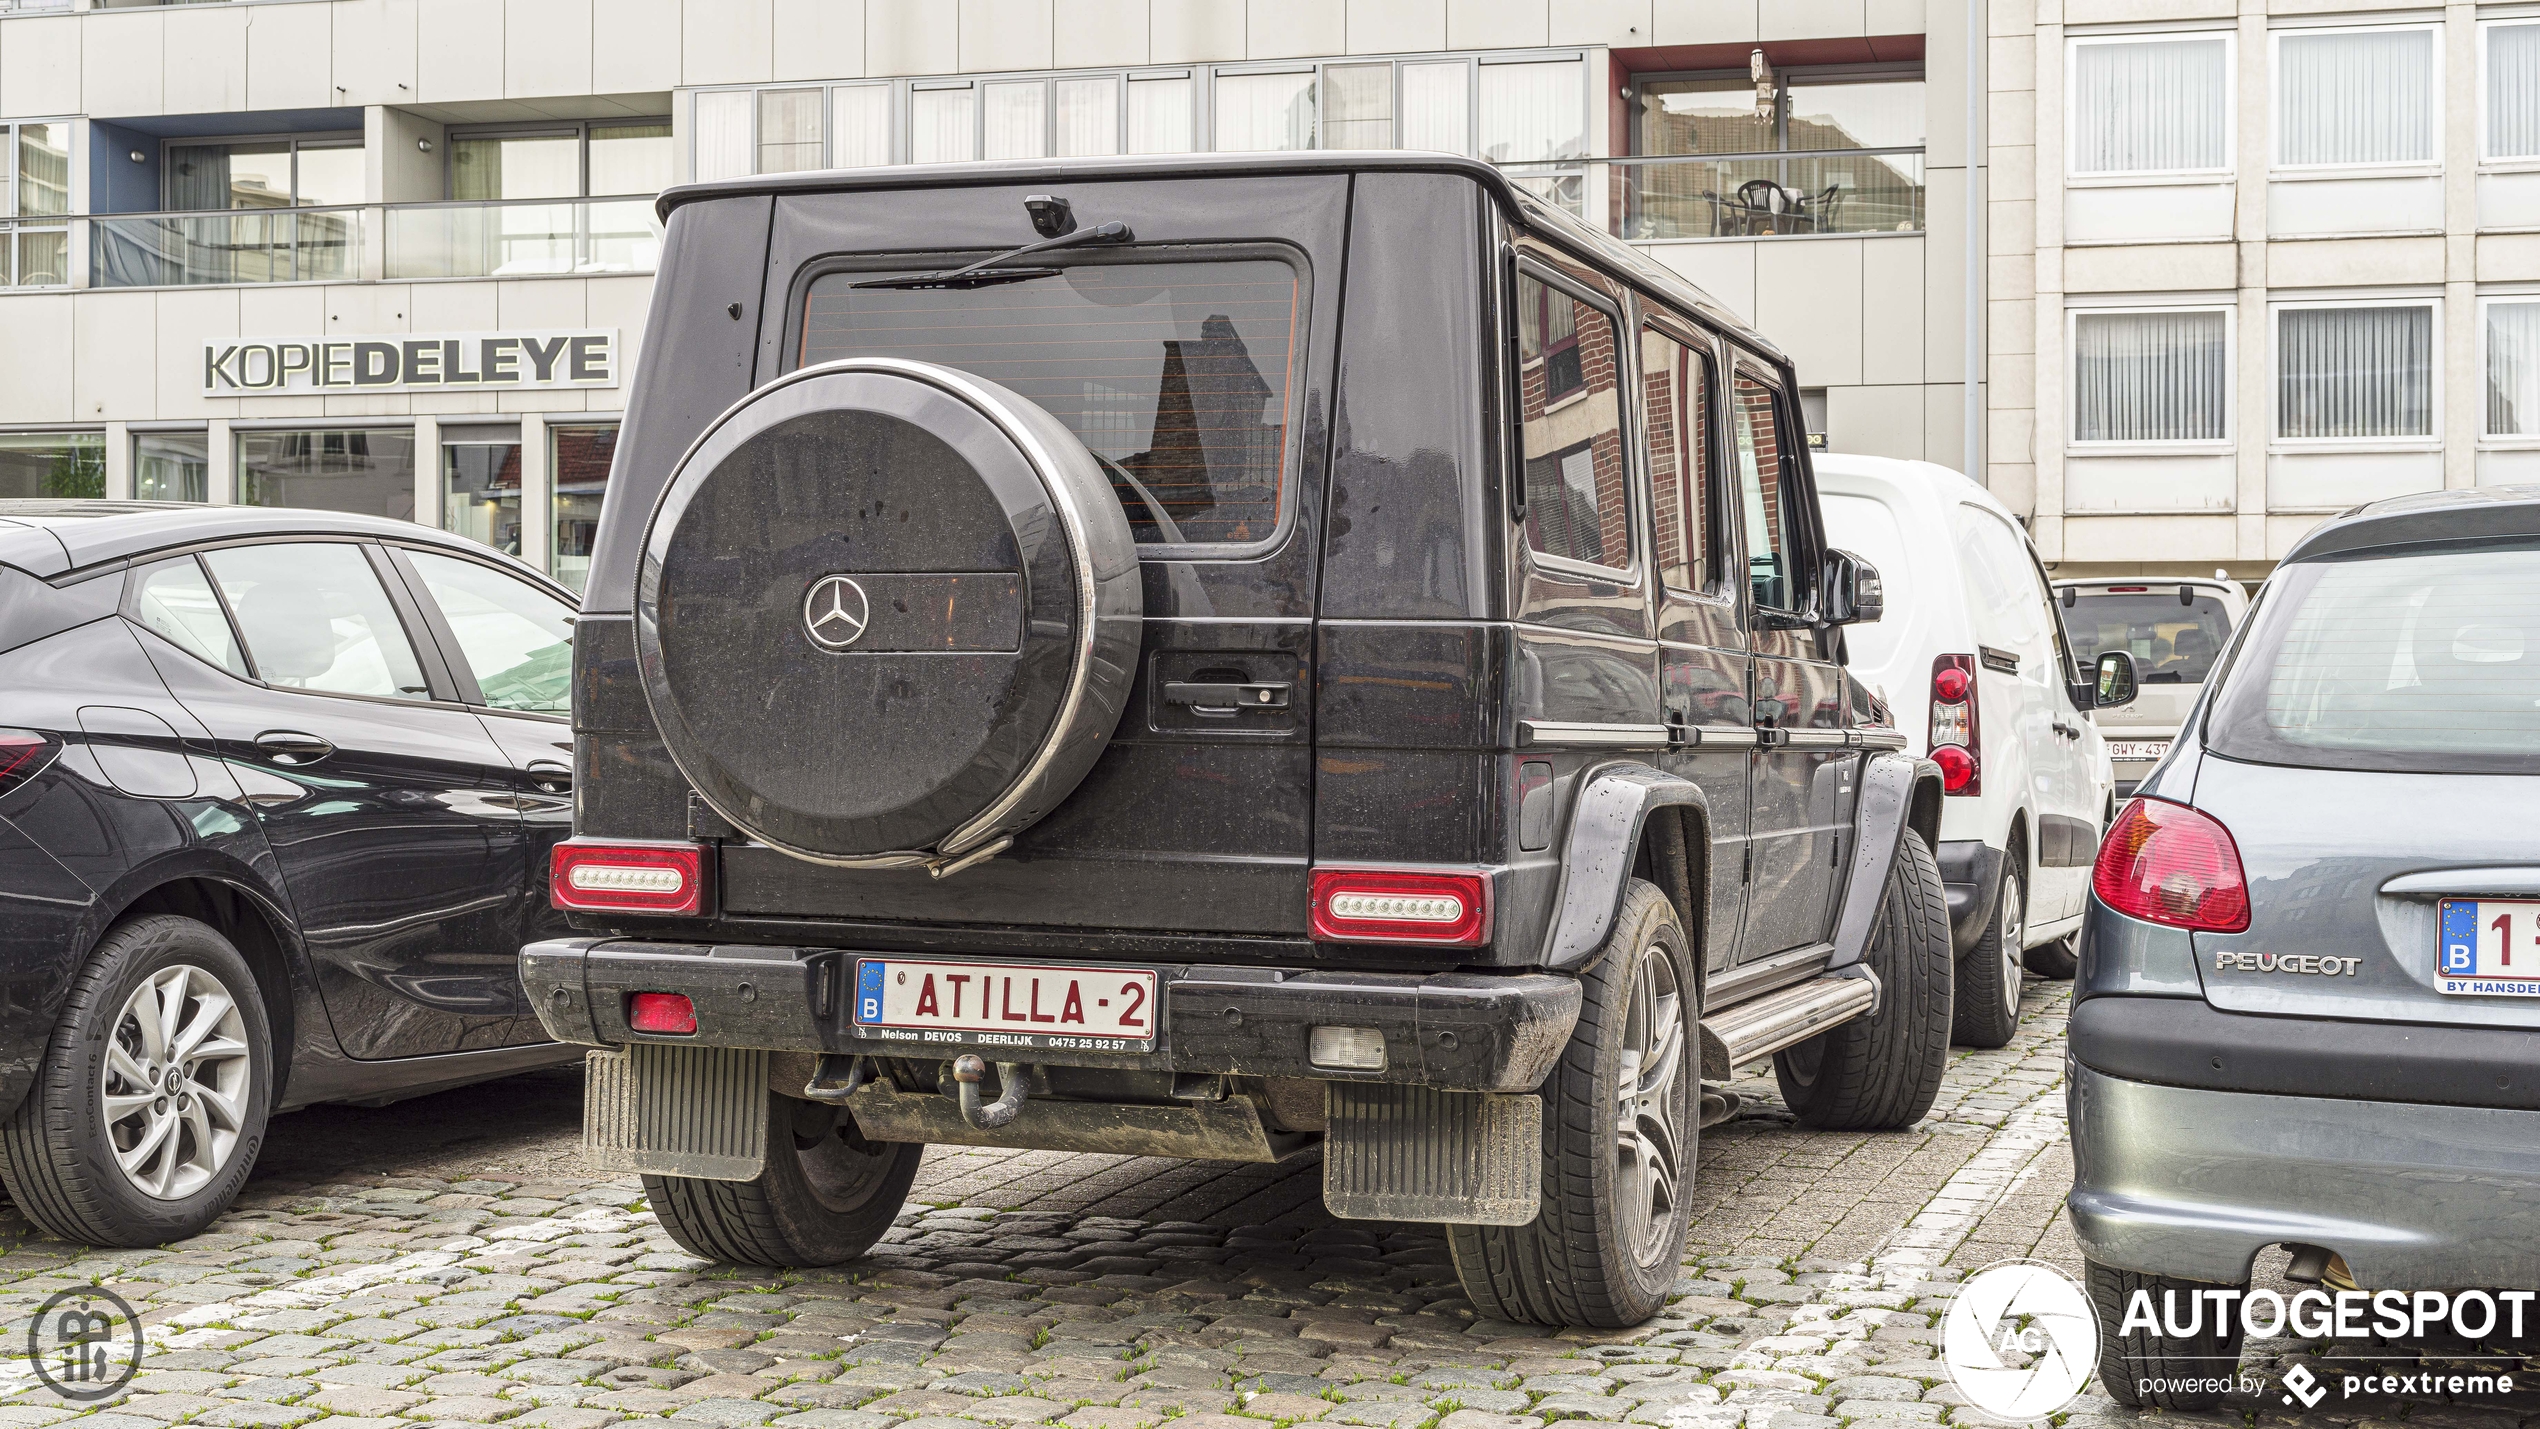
[1972, 659]
[2175, 630]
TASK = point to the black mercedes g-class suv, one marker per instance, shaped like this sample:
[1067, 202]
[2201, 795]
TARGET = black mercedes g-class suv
[1217, 657]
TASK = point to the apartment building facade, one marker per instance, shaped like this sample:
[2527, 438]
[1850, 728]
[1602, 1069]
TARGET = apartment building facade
[395, 255]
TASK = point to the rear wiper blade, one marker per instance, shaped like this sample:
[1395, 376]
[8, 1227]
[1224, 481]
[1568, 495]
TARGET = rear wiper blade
[987, 270]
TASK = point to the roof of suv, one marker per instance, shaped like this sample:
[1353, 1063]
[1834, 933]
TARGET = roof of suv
[1529, 211]
[51, 538]
[2466, 514]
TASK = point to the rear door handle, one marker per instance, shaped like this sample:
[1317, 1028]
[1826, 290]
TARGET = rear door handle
[550, 776]
[1227, 698]
[290, 746]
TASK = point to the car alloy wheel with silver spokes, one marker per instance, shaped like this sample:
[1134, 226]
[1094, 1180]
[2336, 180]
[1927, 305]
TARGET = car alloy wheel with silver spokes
[2011, 913]
[176, 1081]
[1648, 1106]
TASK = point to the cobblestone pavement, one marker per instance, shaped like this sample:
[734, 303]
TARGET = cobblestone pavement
[448, 1262]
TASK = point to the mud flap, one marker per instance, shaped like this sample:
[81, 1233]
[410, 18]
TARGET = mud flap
[1397, 1153]
[699, 1112]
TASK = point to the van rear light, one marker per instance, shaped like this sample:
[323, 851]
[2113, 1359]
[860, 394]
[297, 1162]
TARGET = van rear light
[1956, 742]
[1374, 905]
[664, 1014]
[2169, 864]
[24, 753]
[587, 876]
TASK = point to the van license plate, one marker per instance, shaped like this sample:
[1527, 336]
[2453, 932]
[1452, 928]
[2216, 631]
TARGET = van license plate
[1006, 1004]
[2138, 749]
[2487, 947]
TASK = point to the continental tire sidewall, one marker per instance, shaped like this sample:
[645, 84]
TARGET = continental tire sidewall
[55, 1153]
[1883, 1071]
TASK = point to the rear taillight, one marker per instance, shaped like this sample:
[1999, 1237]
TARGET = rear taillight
[1956, 743]
[664, 1014]
[1373, 905]
[587, 876]
[24, 753]
[2167, 863]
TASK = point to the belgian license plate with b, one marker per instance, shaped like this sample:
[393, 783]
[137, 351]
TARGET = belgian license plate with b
[1036, 1005]
[2487, 947]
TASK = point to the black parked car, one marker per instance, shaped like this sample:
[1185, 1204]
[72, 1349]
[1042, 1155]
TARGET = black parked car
[277, 790]
[1208, 656]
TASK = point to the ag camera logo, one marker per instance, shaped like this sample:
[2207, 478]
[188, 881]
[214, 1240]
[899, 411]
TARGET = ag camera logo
[2020, 1340]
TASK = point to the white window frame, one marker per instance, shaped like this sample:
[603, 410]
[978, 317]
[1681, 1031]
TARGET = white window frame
[2432, 442]
[2521, 296]
[2487, 161]
[12, 224]
[2275, 97]
[2116, 178]
[2230, 439]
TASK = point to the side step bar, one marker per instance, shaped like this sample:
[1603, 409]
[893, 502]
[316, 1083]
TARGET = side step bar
[1752, 1031]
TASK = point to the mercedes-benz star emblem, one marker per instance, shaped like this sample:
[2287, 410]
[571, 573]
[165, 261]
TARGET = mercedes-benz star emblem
[834, 612]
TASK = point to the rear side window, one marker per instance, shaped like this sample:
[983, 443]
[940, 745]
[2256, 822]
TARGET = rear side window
[1177, 376]
[173, 600]
[2173, 641]
[1758, 441]
[516, 638]
[1576, 503]
[2422, 663]
[1676, 389]
[315, 618]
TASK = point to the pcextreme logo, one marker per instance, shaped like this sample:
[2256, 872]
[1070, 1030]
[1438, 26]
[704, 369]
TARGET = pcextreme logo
[2020, 1340]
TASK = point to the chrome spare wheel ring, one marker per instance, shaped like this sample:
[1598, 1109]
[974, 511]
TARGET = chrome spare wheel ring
[176, 1083]
[1648, 1107]
[2014, 921]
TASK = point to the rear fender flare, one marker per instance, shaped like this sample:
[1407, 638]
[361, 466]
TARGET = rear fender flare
[1613, 807]
[1898, 792]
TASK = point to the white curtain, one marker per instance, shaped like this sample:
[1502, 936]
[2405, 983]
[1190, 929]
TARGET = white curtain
[788, 130]
[1018, 120]
[1437, 107]
[1160, 115]
[2150, 377]
[1533, 112]
[1264, 111]
[2360, 98]
[1088, 117]
[2150, 106]
[860, 126]
[2513, 91]
[942, 126]
[2355, 372]
[1358, 106]
[723, 134]
[2513, 369]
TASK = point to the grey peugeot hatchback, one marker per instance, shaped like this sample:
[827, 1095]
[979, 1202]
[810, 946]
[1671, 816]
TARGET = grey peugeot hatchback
[2308, 1007]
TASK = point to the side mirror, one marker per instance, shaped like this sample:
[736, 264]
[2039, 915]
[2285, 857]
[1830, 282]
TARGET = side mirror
[2116, 679]
[1854, 593]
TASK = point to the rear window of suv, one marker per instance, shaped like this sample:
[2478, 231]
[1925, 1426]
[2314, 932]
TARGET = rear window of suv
[1176, 375]
[2173, 642]
[2427, 662]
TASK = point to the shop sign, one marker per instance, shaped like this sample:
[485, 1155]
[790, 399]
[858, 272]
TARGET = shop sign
[398, 362]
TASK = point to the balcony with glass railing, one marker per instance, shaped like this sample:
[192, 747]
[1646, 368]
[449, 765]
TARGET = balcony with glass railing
[262, 245]
[522, 238]
[1788, 194]
[531, 238]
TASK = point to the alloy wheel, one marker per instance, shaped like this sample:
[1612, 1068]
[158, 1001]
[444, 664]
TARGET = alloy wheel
[1648, 1107]
[2013, 920]
[177, 1081]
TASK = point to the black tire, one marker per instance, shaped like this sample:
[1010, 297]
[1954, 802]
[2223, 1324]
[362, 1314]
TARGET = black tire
[1986, 1002]
[825, 1196]
[2056, 961]
[1587, 1258]
[2148, 1371]
[1882, 1071]
[58, 1153]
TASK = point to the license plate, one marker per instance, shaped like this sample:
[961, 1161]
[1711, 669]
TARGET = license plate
[2138, 749]
[1006, 1004]
[2488, 947]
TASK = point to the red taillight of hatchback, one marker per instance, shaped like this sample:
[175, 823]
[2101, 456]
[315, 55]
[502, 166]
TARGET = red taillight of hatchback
[665, 880]
[1374, 905]
[1956, 741]
[23, 754]
[2169, 864]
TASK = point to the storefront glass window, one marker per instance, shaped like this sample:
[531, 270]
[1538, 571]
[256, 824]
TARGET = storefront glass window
[369, 470]
[579, 460]
[171, 466]
[480, 492]
[60, 465]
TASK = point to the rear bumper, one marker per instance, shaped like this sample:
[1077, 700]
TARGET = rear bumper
[2192, 1183]
[1462, 1031]
[1971, 877]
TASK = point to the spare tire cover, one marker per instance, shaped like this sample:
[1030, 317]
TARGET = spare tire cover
[886, 608]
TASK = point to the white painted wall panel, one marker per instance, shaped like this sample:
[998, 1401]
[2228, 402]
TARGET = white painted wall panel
[638, 48]
[185, 319]
[911, 37]
[2509, 200]
[455, 57]
[1875, 421]
[2148, 213]
[548, 44]
[1704, 22]
[2099, 484]
[2354, 206]
[1100, 32]
[122, 63]
[1294, 28]
[374, 43]
[114, 357]
[1808, 297]
[1892, 312]
[818, 39]
[1389, 27]
[2519, 467]
[35, 380]
[727, 42]
[1496, 24]
[1006, 34]
[291, 57]
[1185, 30]
[2333, 481]
[40, 66]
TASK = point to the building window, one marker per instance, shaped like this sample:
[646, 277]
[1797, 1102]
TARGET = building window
[2355, 372]
[2357, 98]
[2162, 375]
[1265, 111]
[559, 161]
[1163, 113]
[2513, 366]
[2152, 106]
[2510, 106]
[1572, 430]
[56, 465]
[285, 172]
[35, 198]
[578, 465]
[480, 485]
[1799, 152]
[371, 471]
[860, 126]
[788, 130]
[171, 466]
